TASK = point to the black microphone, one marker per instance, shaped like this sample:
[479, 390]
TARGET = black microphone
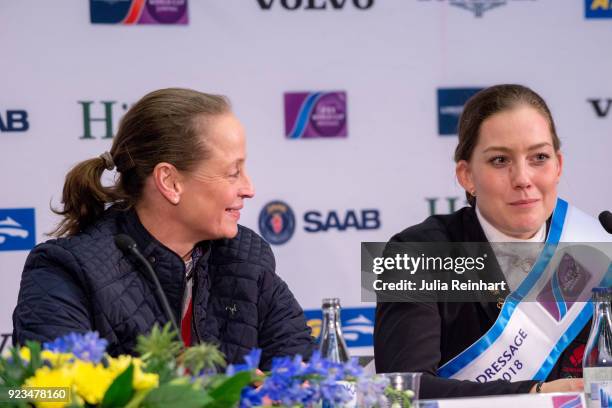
[128, 246]
[606, 220]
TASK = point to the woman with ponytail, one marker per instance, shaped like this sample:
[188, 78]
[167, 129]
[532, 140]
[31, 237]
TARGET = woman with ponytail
[180, 183]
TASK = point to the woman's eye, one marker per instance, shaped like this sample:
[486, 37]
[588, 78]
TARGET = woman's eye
[498, 160]
[540, 157]
[236, 174]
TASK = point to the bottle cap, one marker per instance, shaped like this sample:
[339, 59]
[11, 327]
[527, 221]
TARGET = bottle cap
[327, 302]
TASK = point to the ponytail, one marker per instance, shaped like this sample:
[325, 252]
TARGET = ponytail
[84, 197]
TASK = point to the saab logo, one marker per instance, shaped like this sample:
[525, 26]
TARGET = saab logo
[14, 121]
[479, 7]
[450, 106]
[601, 106]
[359, 220]
[106, 121]
[450, 202]
[138, 11]
[316, 4]
[276, 222]
[17, 229]
[315, 114]
[598, 8]
[357, 325]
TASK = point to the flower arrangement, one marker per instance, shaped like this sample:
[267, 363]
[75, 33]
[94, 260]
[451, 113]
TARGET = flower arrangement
[165, 374]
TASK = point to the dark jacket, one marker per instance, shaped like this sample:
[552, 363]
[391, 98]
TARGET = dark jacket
[84, 282]
[424, 336]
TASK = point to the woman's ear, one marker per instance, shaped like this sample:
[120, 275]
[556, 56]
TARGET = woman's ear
[167, 182]
[464, 176]
[560, 164]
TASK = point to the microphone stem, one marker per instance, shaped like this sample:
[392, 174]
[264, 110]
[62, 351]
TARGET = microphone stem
[161, 294]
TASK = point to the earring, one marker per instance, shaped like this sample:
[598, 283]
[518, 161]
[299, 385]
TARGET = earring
[473, 193]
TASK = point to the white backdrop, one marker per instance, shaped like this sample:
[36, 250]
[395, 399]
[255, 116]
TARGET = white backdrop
[390, 59]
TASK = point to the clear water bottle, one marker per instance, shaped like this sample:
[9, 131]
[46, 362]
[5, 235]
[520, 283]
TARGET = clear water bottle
[597, 361]
[332, 345]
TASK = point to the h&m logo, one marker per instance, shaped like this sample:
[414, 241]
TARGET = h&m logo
[601, 106]
[106, 119]
[292, 5]
[14, 121]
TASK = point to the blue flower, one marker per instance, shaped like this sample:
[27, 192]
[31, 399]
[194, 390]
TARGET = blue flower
[87, 347]
[371, 388]
[252, 363]
[352, 368]
[252, 359]
[292, 381]
[250, 397]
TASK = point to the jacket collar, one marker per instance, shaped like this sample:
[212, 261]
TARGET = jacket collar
[130, 224]
[472, 230]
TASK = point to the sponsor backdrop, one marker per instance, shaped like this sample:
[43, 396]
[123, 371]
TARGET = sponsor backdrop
[350, 108]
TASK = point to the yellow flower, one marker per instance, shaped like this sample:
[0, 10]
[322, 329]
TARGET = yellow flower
[24, 352]
[91, 381]
[55, 359]
[48, 377]
[87, 381]
[144, 381]
[141, 380]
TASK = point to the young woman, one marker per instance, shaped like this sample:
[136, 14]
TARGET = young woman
[508, 160]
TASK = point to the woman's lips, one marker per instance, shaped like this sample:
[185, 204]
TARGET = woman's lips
[526, 203]
[234, 213]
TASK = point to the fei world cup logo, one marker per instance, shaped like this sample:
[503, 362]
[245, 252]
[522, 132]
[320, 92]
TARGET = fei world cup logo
[129, 12]
[315, 114]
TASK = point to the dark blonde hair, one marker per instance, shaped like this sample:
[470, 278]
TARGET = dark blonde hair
[164, 126]
[487, 103]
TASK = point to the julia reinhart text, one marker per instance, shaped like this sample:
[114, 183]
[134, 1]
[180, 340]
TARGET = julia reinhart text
[438, 285]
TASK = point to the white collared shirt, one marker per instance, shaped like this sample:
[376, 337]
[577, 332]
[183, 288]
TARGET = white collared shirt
[495, 235]
[515, 261]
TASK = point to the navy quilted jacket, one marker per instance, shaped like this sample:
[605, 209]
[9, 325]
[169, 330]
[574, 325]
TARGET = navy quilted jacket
[84, 282]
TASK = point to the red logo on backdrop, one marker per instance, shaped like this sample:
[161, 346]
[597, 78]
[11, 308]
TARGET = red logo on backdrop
[277, 223]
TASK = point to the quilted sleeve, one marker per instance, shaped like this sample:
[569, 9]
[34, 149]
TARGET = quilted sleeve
[51, 301]
[283, 330]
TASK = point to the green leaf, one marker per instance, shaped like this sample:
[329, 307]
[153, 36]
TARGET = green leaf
[159, 350]
[138, 398]
[203, 356]
[14, 371]
[35, 358]
[171, 395]
[227, 393]
[121, 390]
